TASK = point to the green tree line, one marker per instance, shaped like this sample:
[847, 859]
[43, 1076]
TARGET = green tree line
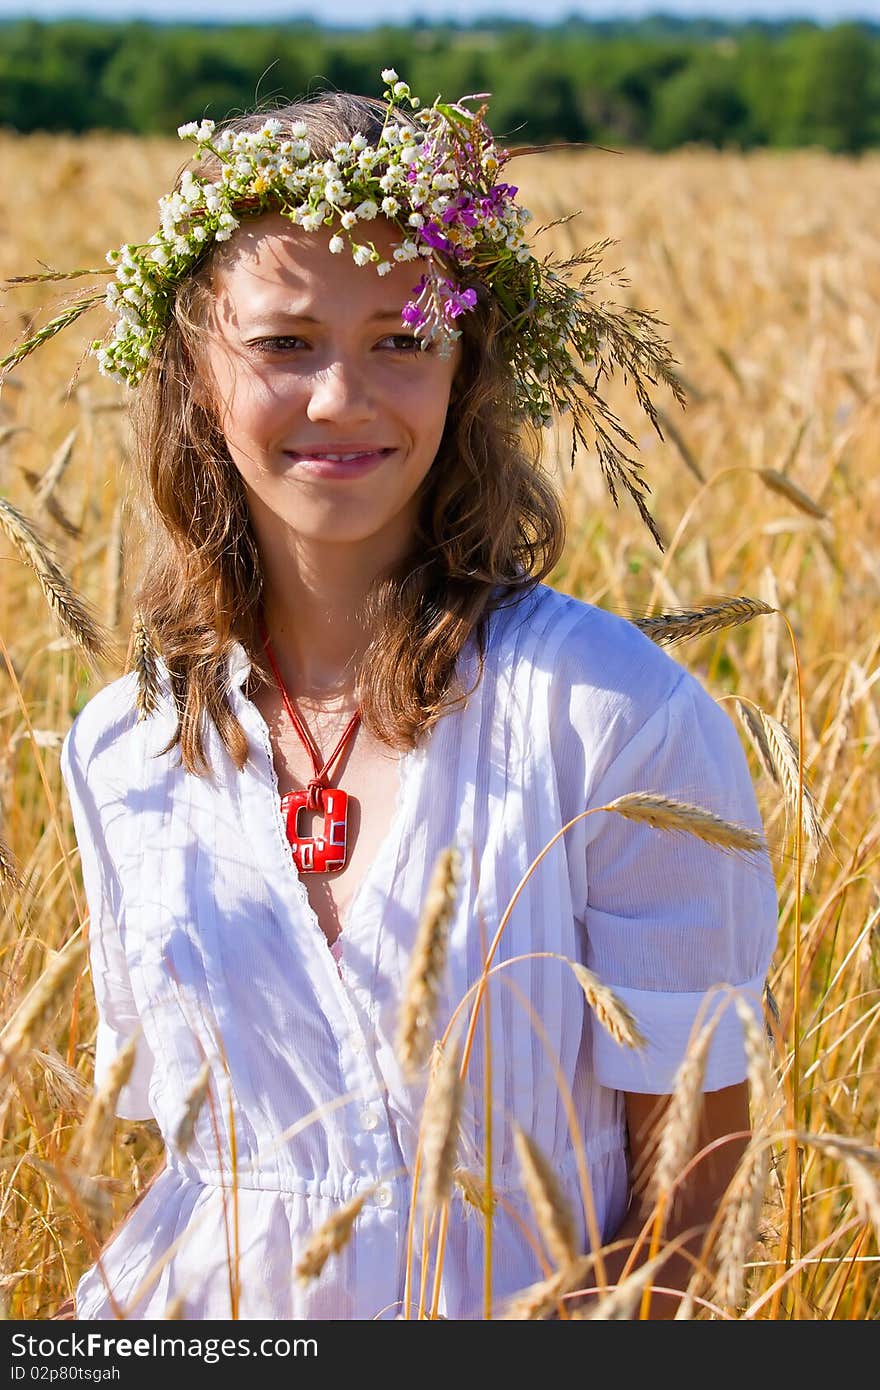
[658, 84]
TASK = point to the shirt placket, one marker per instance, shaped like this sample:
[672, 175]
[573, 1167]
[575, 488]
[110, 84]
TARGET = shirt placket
[344, 997]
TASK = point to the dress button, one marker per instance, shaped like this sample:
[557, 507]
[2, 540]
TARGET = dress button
[357, 1043]
[383, 1195]
[369, 1119]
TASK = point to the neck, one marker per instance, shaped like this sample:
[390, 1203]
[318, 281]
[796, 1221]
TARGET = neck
[313, 600]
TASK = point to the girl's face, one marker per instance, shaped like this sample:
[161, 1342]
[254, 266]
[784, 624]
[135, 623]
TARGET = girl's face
[331, 411]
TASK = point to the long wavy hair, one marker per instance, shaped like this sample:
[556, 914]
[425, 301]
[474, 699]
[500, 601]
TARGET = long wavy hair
[490, 520]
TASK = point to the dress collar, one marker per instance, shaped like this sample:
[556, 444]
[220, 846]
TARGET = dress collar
[239, 667]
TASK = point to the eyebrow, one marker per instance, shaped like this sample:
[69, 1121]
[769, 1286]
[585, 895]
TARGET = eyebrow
[288, 316]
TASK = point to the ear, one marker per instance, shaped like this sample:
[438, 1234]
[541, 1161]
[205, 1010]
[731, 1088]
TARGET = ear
[201, 392]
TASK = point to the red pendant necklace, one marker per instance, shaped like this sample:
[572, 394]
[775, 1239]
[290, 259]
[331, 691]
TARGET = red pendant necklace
[325, 852]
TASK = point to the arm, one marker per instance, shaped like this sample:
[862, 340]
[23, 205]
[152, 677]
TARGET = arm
[668, 919]
[724, 1112]
[92, 803]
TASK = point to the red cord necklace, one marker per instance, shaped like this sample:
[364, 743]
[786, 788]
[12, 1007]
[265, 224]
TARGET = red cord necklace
[325, 852]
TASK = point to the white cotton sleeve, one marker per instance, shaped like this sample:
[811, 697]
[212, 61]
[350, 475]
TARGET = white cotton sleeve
[118, 1018]
[669, 917]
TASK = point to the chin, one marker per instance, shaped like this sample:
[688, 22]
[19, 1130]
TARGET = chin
[333, 534]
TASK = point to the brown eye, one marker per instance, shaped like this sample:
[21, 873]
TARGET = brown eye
[277, 344]
[402, 342]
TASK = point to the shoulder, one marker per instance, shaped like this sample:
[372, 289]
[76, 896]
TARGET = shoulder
[606, 681]
[584, 649]
[105, 740]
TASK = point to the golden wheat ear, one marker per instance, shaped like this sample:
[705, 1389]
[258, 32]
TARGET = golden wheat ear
[196, 1097]
[10, 879]
[785, 757]
[664, 813]
[96, 1133]
[610, 1011]
[415, 1032]
[542, 1300]
[754, 727]
[329, 1239]
[23, 1029]
[441, 1120]
[56, 325]
[552, 1209]
[70, 610]
[472, 1187]
[676, 1141]
[142, 658]
[667, 628]
[778, 482]
[743, 1206]
[865, 1191]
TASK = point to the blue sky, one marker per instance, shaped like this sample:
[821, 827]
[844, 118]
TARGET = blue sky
[367, 12]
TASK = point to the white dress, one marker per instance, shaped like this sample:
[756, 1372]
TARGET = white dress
[203, 937]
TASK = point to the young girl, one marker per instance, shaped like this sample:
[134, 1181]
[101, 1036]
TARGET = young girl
[347, 533]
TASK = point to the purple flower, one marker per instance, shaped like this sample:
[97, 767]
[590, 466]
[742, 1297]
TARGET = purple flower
[457, 301]
[501, 193]
[461, 211]
[433, 235]
[412, 313]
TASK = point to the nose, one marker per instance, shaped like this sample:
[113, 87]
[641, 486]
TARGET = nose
[340, 391]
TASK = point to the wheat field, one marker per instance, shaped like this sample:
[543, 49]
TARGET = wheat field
[767, 270]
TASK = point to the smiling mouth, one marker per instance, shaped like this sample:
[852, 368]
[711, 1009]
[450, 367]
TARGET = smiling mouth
[334, 456]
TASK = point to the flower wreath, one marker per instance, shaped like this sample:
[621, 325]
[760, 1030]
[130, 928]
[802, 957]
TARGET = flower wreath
[434, 174]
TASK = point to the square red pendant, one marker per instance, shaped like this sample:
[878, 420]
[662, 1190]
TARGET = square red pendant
[318, 854]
